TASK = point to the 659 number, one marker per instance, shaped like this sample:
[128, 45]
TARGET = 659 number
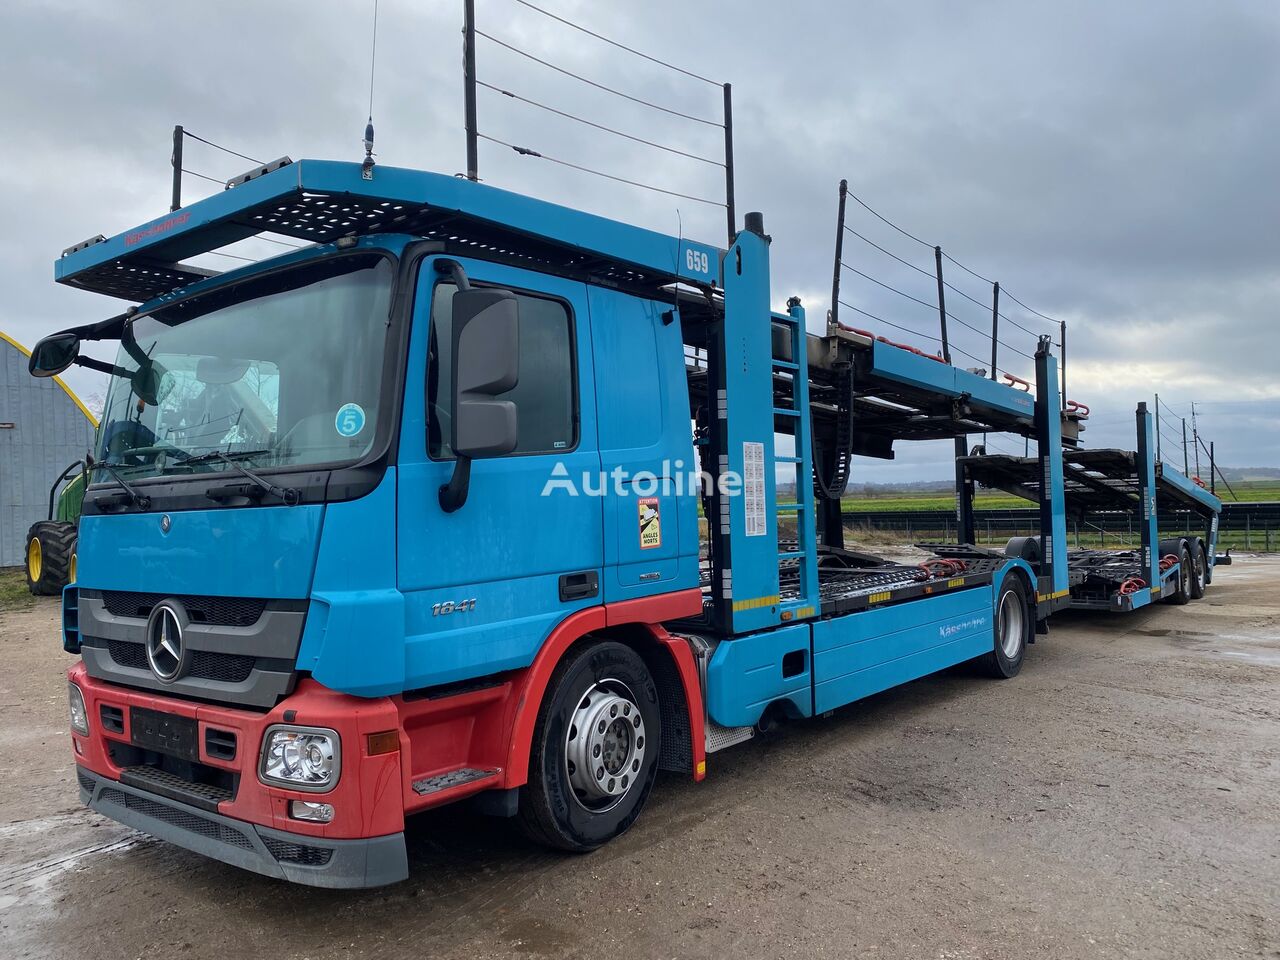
[696, 261]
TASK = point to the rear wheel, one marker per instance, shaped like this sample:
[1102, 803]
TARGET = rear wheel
[50, 548]
[1013, 629]
[595, 749]
[1182, 595]
[1197, 570]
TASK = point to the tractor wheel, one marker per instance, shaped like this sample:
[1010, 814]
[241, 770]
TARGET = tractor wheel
[51, 546]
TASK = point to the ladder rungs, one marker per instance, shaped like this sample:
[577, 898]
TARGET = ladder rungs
[786, 365]
[784, 318]
[783, 412]
[788, 459]
[791, 508]
[791, 555]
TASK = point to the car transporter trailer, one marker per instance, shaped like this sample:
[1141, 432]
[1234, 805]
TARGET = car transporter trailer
[310, 606]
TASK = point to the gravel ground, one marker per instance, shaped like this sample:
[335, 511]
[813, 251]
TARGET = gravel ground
[1121, 798]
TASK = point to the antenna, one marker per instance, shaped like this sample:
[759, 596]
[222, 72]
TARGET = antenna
[366, 168]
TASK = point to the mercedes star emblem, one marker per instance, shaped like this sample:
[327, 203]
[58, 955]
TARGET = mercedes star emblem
[165, 650]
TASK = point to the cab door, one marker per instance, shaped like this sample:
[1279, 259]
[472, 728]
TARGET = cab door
[485, 584]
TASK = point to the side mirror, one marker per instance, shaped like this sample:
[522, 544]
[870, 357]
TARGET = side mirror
[54, 354]
[486, 364]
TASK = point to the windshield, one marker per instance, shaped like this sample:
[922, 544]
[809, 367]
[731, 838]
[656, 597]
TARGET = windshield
[282, 371]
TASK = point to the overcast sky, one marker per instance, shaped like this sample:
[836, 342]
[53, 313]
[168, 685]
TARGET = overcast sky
[1113, 165]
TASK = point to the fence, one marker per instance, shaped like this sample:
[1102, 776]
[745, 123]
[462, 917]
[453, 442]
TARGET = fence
[1247, 526]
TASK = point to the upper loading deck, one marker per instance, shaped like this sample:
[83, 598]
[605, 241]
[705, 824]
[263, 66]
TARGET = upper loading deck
[322, 201]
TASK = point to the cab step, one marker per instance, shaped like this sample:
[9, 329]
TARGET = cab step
[452, 778]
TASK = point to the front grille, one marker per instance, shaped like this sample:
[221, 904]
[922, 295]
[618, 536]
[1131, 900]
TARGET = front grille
[218, 611]
[86, 781]
[183, 820]
[205, 664]
[300, 853]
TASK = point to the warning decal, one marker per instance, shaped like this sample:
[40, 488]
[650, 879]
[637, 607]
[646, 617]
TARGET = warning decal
[650, 523]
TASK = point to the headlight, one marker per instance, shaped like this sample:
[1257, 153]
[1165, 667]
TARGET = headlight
[79, 715]
[304, 758]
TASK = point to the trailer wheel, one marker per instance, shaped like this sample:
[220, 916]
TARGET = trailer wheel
[1197, 570]
[50, 547]
[1013, 629]
[595, 749]
[1182, 595]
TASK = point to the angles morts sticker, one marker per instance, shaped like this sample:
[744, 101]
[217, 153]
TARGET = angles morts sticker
[650, 523]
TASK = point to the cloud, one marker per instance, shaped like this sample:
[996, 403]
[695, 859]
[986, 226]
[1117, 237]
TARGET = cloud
[1110, 167]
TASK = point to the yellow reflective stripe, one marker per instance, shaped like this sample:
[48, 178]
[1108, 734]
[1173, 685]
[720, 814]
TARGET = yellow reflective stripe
[1052, 596]
[755, 604]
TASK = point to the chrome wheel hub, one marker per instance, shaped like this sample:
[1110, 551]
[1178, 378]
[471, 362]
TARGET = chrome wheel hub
[1010, 623]
[605, 745]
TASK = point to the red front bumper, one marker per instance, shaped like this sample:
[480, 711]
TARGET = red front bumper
[368, 798]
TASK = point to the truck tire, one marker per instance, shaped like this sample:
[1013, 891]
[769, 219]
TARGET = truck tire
[1198, 568]
[595, 749]
[1013, 629]
[50, 547]
[1182, 595]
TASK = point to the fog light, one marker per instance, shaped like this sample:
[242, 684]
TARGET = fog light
[79, 715]
[309, 810]
[304, 758]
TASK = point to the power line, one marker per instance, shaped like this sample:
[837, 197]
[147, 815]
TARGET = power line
[218, 146]
[915, 333]
[867, 276]
[598, 86]
[598, 126]
[526, 152]
[890, 323]
[867, 207]
[192, 173]
[925, 243]
[615, 43]
[1028, 309]
[945, 283]
[934, 306]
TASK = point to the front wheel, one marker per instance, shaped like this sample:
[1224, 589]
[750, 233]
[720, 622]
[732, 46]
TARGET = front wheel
[1013, 629]
[595, 749]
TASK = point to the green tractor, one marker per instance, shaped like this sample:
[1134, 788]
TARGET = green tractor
[51, 544]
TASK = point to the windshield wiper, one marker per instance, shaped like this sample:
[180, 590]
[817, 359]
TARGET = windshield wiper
[224, 457]
[139, 500]
[288, 495]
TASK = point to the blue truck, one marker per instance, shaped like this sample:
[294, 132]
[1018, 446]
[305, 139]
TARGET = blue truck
[475, 496]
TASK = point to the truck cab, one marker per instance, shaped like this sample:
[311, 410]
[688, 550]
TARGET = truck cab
[341, 502]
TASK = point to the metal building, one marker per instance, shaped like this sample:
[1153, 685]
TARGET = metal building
[43, 428]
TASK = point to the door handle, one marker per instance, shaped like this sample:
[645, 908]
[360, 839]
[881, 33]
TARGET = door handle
[579, 586]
